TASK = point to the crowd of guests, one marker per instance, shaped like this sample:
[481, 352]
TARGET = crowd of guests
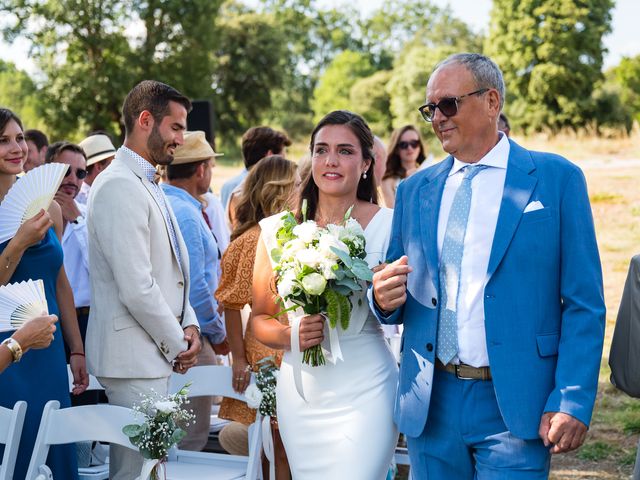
[502, 307]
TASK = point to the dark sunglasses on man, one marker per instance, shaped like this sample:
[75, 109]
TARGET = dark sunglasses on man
[448, 105]
[411, 143]
[80, 173]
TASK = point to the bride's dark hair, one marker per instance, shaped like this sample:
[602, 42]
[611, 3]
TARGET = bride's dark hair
[366, 186]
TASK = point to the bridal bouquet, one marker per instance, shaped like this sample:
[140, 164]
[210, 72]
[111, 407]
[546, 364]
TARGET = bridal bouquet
[318, 269]
[164, 417]
[262, 394]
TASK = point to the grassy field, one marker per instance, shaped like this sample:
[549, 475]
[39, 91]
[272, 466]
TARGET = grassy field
[612, 168]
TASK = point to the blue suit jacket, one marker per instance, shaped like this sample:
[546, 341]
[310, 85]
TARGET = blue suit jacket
[543, 303]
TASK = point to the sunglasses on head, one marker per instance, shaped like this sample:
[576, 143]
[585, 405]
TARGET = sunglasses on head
[448, 105]
[411, 143]
[80, 173]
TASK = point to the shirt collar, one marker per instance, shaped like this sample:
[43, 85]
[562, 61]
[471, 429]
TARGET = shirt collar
[181, 194]
[497, 157]
[148, 169]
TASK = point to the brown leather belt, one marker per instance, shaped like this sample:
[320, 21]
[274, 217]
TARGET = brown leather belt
[465, 372]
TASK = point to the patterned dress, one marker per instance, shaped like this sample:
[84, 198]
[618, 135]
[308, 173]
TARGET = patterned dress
[234, 293]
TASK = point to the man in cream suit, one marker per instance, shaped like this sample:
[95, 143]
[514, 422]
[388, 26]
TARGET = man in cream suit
[141, 324]
[497, 282]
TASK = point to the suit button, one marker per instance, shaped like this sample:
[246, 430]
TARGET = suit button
[434, 302]
[180, 284]
[429, 347]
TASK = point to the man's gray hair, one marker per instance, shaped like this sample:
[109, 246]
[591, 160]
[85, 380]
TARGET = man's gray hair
[484, 70]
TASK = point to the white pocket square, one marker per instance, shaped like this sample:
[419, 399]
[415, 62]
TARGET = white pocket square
[533, 206]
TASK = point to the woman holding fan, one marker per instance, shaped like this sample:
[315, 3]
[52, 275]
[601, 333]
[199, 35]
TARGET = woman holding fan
[35, 253]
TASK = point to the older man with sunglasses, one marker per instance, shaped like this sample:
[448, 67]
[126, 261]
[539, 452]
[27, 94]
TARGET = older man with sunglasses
[75, 236]
[498, 283]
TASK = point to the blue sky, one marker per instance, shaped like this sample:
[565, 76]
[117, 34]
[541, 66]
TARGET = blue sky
[623, 41]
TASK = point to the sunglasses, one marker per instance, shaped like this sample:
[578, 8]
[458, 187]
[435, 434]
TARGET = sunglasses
[448, 105]
[80, 173]
[411, 143]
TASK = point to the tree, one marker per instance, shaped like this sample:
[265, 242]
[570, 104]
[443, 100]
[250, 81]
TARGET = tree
[19, 93]
[332, 92]
[551, 56]
[369, 97]
[627, 75]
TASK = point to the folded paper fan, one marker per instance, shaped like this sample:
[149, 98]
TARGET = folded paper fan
[27, 196]
[21, 302]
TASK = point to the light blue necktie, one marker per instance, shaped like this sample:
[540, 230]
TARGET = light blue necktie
[450, 266]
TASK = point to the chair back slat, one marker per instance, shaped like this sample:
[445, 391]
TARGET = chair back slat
[207, 380]
[11, 421]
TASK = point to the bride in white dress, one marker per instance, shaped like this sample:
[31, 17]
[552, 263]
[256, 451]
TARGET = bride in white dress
[336, 419]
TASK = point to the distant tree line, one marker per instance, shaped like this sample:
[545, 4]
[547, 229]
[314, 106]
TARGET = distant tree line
[287, 62]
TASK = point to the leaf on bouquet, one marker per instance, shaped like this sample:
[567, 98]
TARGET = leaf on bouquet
[361, 270]
[338, 309]
[343, 256]
[350, 283]
[132, 430]
[276, 254]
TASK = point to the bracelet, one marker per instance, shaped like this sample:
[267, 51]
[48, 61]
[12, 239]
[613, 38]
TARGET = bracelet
[14, 347]
[76, 353]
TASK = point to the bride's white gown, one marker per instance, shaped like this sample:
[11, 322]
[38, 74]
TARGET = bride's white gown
[344, 429]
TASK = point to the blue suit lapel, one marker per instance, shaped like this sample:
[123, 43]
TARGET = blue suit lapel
[518, 187]
[430, 199]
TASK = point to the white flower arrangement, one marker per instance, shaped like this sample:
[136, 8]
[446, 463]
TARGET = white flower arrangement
[318, 269]
[162, 428]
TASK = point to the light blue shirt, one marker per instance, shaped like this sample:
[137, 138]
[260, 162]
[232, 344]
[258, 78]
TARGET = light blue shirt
[204, 266]
[230, 185]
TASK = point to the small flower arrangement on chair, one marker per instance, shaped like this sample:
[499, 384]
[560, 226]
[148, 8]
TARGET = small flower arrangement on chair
[162, 428]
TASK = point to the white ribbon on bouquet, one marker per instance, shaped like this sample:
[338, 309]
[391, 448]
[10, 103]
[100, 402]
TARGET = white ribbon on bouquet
[331, 344]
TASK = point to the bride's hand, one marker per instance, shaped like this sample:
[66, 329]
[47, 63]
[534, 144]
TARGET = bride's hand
[311, 328]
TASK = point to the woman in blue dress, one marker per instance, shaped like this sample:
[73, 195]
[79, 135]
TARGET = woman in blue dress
[35, 252]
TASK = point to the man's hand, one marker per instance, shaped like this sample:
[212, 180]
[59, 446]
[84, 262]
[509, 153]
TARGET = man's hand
[188, 358]
[221, 348]
[68, 205]
[390, 284]
[80, 375]
[561, 430]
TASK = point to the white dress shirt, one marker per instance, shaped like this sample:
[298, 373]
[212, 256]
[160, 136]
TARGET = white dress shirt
[83, 194]
[75, 246]
[487, 187]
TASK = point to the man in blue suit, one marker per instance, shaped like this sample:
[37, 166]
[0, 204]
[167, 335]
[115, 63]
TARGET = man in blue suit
[498, 283]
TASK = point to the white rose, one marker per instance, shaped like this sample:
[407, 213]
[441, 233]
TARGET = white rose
[309, 257]
[168, 406]
[327, 240]
[287, 284]
[306, 231]
[253, 396]
[292, 247]
[326, 267]
[314, 284]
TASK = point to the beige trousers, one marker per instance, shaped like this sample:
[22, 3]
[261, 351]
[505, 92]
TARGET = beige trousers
[124, 463]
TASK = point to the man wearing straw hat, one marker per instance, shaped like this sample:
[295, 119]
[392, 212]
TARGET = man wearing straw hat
[99, 152]
[188, 178]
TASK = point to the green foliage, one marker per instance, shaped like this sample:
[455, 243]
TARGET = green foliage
[627, 76]
[19, 93]
[551, 55]
[369, 97]
[338, 309]
[332, 92]
[595, 451]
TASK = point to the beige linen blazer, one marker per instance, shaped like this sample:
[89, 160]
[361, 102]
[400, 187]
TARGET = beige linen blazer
[139, 292]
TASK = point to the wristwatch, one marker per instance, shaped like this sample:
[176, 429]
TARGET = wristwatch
[14, 347]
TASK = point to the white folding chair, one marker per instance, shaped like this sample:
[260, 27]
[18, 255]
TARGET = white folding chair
[209, 380]
[77, 424]
[11, 421]
[96, 472]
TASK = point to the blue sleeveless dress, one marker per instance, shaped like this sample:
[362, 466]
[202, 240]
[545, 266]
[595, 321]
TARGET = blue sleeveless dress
[41, 375]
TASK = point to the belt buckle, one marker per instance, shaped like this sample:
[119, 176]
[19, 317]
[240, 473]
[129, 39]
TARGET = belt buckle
[457, 372]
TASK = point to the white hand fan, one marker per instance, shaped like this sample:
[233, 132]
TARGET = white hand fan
[27, 196]
[21, 302]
